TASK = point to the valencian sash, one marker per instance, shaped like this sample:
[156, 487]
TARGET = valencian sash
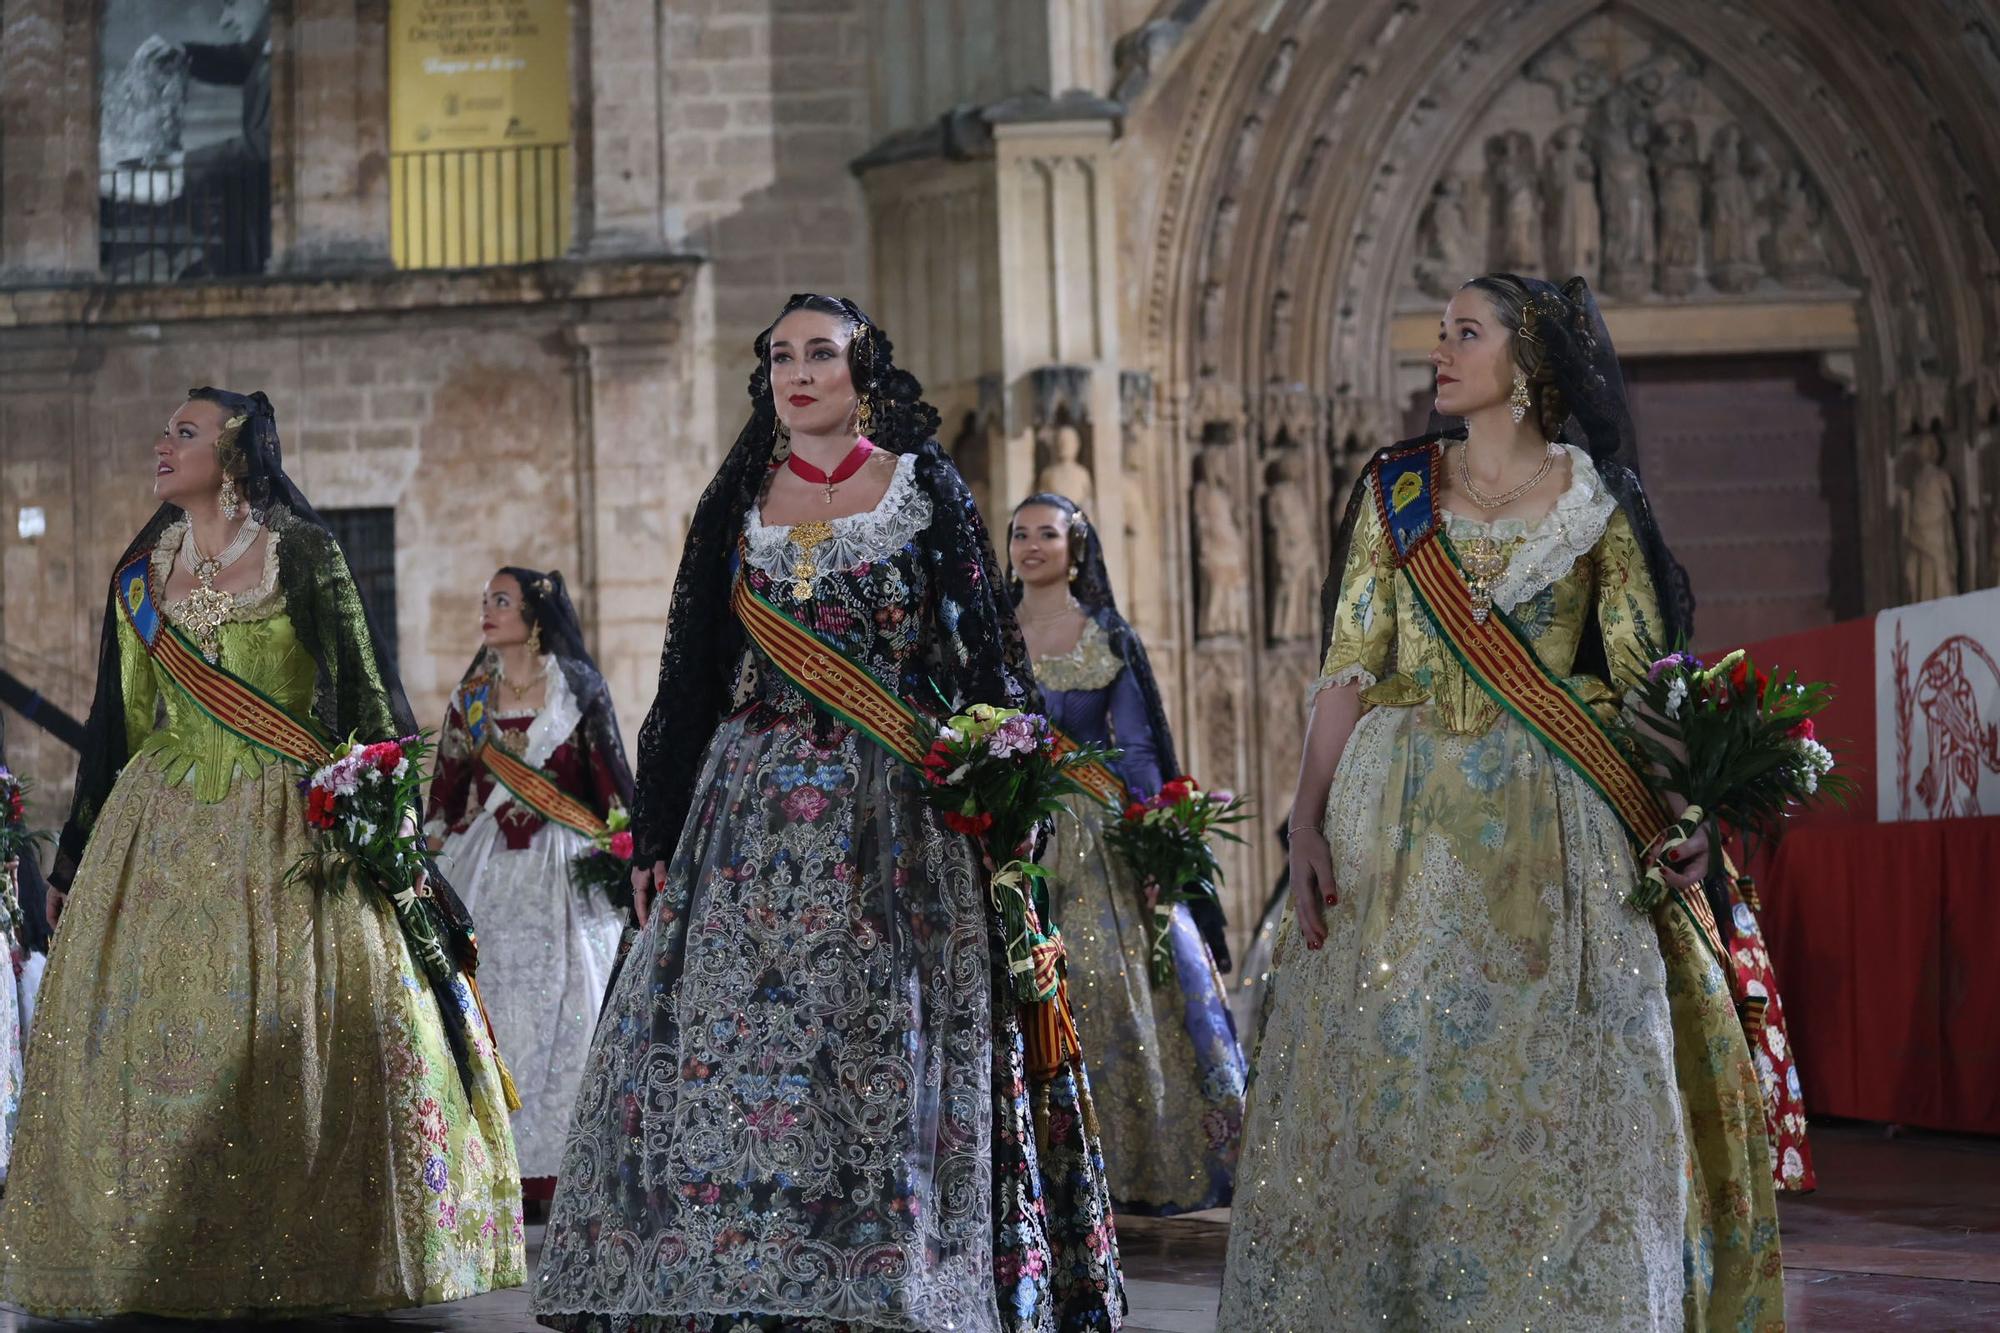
[226, 699]
[243, 710]
[851, 692]
[525, 783]
[1499, 658]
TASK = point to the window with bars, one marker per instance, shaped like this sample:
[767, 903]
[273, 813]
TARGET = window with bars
[368, 537]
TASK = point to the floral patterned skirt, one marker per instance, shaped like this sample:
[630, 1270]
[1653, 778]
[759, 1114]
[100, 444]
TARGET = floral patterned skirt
[1164, 1063]
[241, 1097]
[1464, 1111]
[805, 1104]
[1770, 1047]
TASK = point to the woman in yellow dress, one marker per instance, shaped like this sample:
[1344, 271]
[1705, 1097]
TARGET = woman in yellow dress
[244, 1097]
[1490, 1093]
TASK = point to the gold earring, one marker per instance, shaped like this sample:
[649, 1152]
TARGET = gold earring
[864, 417]
[1519, 402]
[227, 497]
[535, 638]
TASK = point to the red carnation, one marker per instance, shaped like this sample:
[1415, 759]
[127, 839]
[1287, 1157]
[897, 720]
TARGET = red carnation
[1135, 811]
[319, 808]
[1803, 731]
[621, 844]
[974, 826]
[1178, 790]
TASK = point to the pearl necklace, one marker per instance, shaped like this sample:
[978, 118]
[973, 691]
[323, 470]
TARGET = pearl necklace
[1485, 501]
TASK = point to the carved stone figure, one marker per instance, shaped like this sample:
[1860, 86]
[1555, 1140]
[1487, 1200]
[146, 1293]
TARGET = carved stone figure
[1208, 326]
[1288, 528]
[1065, 473]
[1517, 203]
[1221, 233]
[1292, 241]
[1930, 525]
[1248, 137]
[1222, 560]
[1798, 252]
[1677, 179]
[1278, 338]
[1575, 226]
[1625, 195]
[1734, 229]
[1451, 248]
[1279, 71]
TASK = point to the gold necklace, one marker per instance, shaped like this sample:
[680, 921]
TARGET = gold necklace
[808, 537]
[1485, 501]
[207, 608]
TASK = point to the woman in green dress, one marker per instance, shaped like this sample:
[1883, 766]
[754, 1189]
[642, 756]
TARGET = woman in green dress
[1490, 1092]
[245, 1098]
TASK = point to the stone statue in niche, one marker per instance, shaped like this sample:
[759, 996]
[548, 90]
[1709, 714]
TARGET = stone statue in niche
[1735, 231]
[1221, 558]
[1677, 179]
[1278, 338]
[1569, 182]
[1625, 194]
[1221, 234]
[1515, 189]
[1065, 473]
[1245, 155]
[1930, 525]
[1294, 561]
[1797, 251]
[1449, 244]
[1208, 327]
[1292, 241]
[1279, 71]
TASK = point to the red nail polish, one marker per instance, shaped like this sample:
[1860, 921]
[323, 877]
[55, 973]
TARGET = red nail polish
[1313, 945]
[1332, 901]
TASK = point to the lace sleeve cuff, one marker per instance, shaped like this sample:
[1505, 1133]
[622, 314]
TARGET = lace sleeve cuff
[1354, 674]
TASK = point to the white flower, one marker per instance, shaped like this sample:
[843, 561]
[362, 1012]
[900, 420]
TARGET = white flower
[402, 769]
[1677, 693]
[957, 775]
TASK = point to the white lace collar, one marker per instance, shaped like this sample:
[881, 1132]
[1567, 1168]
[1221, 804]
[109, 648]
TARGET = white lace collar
[253, 604]
[1552, 544]
[552, 726]
[857, 539]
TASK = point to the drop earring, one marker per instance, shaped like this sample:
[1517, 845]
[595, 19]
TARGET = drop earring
[227, 499]
[1518, 402]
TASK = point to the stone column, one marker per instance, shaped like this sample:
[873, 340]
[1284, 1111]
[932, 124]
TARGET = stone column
[330, 136]
[617, 131]
[640, 479]
[48, 151]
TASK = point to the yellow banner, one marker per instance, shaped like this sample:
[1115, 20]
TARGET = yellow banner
[478, 74]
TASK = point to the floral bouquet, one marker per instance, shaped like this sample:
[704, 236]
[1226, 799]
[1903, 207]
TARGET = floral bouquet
[16, 841]
[1166, 840]
[997, 775]
[607, 866]
[360, 804]
[1737, 743]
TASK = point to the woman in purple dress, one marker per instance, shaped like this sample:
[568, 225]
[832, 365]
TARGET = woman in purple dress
[1166, 1068]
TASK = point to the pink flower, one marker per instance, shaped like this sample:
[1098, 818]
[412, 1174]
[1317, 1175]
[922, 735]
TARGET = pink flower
[806, 804]
[621, 844]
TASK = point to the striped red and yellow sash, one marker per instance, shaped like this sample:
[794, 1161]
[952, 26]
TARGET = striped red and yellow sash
[1496, 654]
[851, 692]
[538, 791]
[231, 702]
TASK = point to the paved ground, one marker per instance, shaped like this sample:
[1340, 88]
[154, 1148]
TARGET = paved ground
[1903, 1234]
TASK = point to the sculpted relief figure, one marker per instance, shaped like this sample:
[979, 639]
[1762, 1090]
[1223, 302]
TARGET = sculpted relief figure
[1677, 179]
[1625, 195]
[1222, 560]
[1930, 525]
[1065, 473]
[1734, 229]
[1517, 200]
[1575, 226]
[1288, 527]
[1449, 242]
[1797, 251]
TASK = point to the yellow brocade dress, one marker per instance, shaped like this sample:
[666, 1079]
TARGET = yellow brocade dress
[1498, 1097]
[240, 1098]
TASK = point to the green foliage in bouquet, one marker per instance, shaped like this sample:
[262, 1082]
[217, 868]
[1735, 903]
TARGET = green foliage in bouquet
[1168, 841]
[607, 867]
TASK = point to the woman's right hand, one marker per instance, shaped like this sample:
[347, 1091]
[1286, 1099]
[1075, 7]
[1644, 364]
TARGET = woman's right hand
[52, 906]
[645, 883]
[1312, 883]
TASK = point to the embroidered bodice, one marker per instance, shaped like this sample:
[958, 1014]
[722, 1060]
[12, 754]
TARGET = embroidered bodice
[257, 643]
[551, 739]
[1580, 556]
[1088, 693]
[858, 581]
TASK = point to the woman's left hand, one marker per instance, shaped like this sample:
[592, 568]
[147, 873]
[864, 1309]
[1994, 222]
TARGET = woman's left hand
[1687, 864]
